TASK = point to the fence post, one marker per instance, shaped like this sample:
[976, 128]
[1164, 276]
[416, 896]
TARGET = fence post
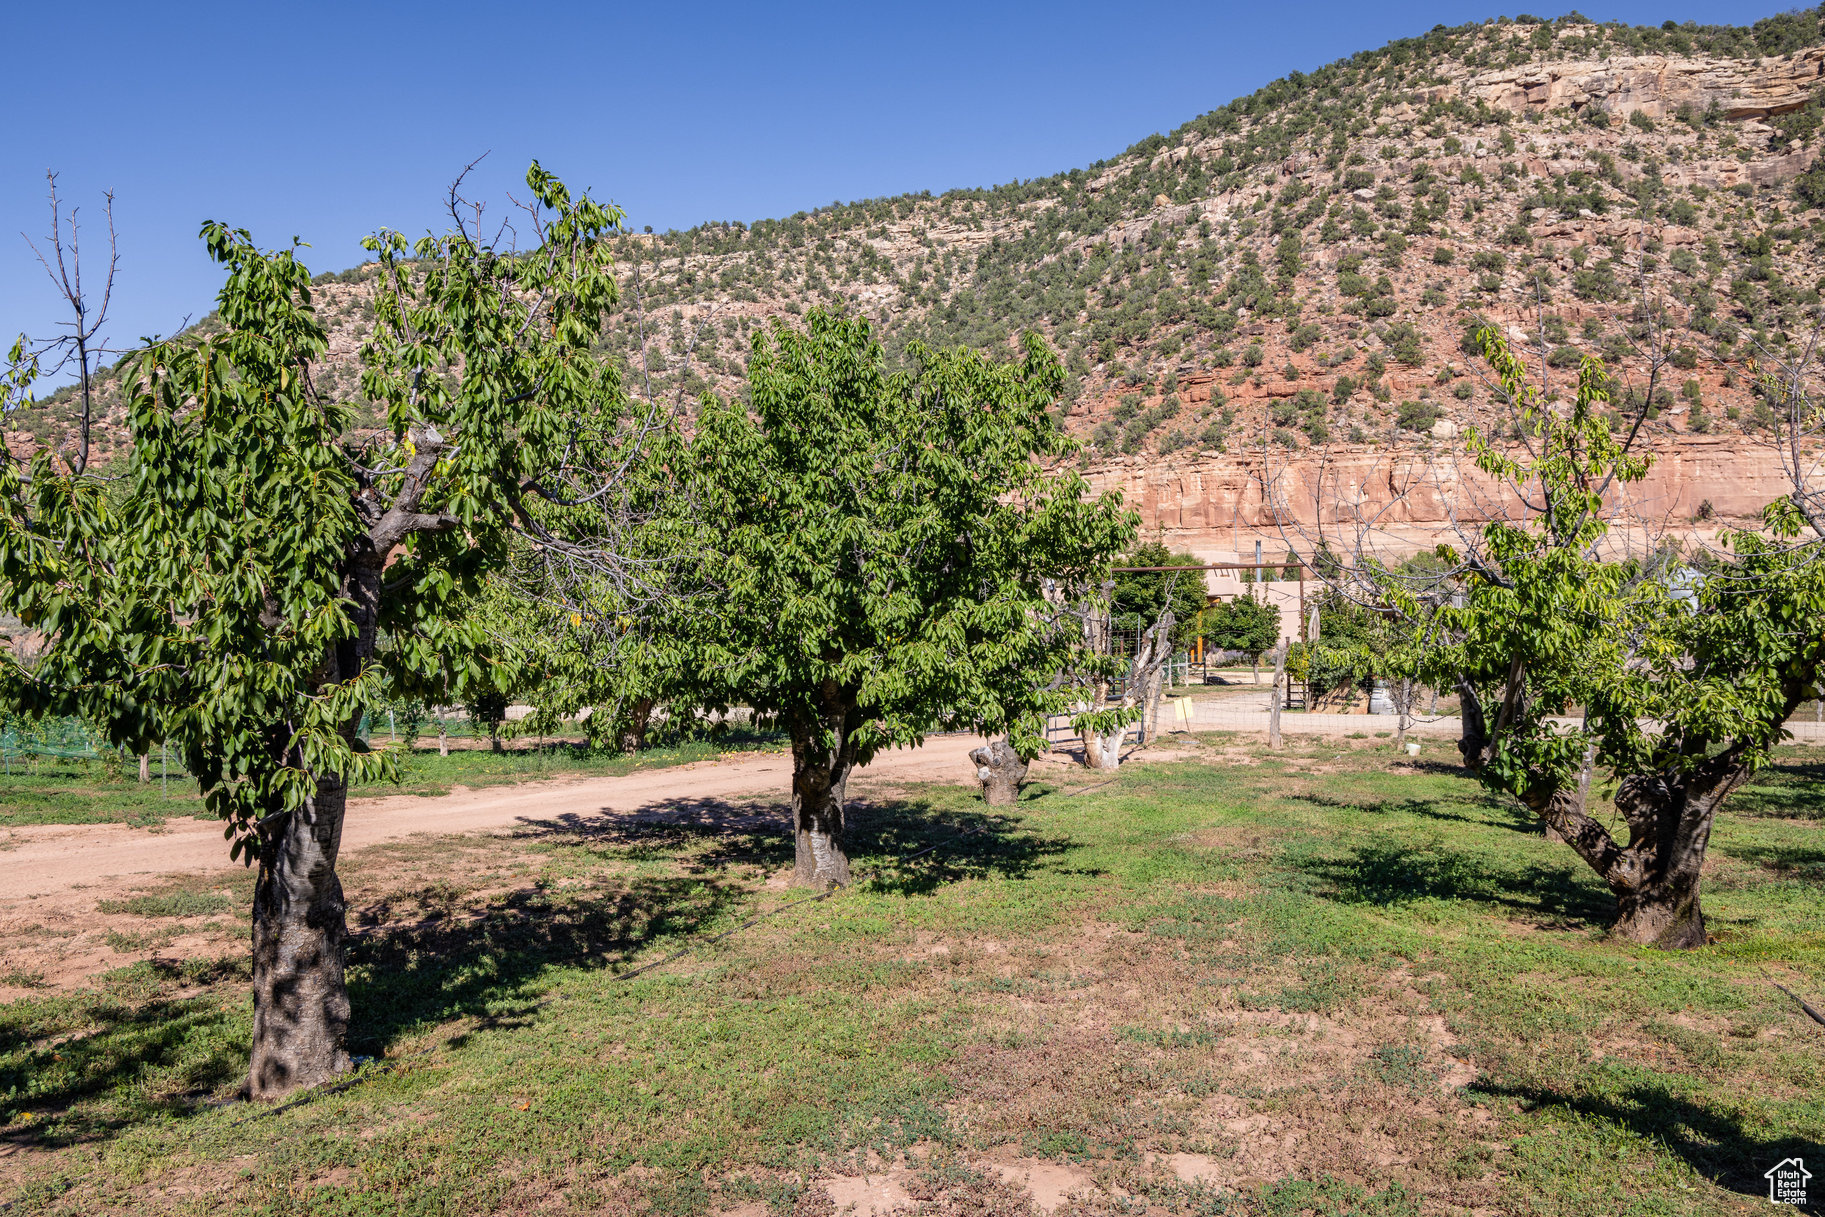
[1273, 714]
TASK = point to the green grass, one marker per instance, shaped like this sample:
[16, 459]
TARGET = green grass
[1391, 971]
[64, 791]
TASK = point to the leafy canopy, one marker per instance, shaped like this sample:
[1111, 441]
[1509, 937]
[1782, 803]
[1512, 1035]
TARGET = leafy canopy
[216, 604]
[1138, 596]
[1668, 662]
[882, 536]
[1244, 624]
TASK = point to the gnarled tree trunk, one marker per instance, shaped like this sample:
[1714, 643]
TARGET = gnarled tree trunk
[822, 758]
[1474, 744]
[300, 1000]
[1103, 752]
[1001, 771]
[1655, 876]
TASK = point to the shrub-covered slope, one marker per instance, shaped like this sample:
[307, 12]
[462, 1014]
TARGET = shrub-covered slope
[1299, 267]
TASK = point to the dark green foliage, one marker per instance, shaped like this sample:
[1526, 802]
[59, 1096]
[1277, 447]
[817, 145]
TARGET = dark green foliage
[1809, 187]
[1243, 624]
[880, 537]
[1563, 357]
[1140, 595]
[1403, 341]
[1417, 415]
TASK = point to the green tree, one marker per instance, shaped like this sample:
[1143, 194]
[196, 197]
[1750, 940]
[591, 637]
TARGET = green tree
[1244, 624]
[1353, 645]
[233, 600]
[1683, 676]
[884, 541]
[612, 647]
[1139, 596]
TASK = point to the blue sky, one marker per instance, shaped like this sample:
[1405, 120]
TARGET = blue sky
[327, 120]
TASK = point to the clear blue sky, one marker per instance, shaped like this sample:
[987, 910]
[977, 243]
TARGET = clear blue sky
[328, 120]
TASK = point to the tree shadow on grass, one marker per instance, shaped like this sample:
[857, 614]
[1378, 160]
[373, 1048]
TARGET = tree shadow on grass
[708, 834]
[144, 1053]
[1787, 790]
[1712, 1142]
[704, 834]
[491, 967]
[184, 1046]
[1502, 812]
[973, 843]
[148, 1050]
[1805, 863]
[1391, 873]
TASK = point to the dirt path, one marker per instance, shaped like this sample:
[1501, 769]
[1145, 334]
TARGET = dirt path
[43, 859]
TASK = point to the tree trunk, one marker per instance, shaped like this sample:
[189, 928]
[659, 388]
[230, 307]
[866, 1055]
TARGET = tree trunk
[1103, 752]
[1403, 697]
[1475, 744]
[145, 767]
[301, 1004]
[1150, 709]
[1001, 771]
[1665, 915]
[1656, 875]
[1146, 676]
[1255, 668]
[633, 734]
[822, 758]
[443, 737]
[1273, 711]
[300, 997]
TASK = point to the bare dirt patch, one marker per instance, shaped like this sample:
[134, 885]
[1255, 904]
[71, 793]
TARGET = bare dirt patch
[57, 885]
[1125, 1046]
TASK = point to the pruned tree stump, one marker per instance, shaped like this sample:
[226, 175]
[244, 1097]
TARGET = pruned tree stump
[1103, 753]
[1001, 771]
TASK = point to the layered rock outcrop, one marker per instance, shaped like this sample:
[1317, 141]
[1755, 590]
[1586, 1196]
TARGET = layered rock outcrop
[1657, 85]
[1219, 506]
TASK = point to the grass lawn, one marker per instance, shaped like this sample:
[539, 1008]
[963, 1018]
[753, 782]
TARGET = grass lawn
[1322, 981]
[65, 791]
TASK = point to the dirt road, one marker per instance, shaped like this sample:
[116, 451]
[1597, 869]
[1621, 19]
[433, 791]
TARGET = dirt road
[43, 859]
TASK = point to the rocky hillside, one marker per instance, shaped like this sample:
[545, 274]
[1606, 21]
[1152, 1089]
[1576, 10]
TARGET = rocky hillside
[1297, 269]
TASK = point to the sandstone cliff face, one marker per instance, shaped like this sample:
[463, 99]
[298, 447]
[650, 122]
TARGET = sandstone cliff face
[1658, 85]
[1219, 505]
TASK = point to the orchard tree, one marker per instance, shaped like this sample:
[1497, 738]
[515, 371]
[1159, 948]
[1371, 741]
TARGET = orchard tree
[882, 538]
[1244, 624]
[1682, 674]
[1107, 690]
[612, 652]
[1139, 595]
[232, 598]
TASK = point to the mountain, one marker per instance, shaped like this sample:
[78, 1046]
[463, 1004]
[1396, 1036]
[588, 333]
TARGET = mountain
[1293, 274]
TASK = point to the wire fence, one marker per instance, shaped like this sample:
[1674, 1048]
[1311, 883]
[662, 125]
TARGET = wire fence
[37, 746]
